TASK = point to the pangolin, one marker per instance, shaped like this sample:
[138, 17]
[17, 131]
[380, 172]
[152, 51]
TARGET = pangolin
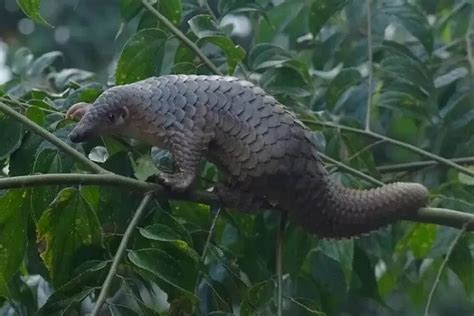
[267, 156]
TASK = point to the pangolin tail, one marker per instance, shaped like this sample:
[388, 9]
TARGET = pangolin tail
[350, 212]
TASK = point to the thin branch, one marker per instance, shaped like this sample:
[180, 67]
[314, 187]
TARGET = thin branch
[119, 254]
[206, 245]
[415, 165]
[469, 33]
[441, 268]
[398, 143]
[279, 261]
[27, 105]
[182, 37]
[443, 217]
[211, 230]
[370, 64]
[51, 138]
[350, 170]
[103, 179]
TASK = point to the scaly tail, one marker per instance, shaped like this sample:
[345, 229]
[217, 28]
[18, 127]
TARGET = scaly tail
[349, 212]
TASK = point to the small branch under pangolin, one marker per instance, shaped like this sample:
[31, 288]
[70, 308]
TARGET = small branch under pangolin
[438, 216]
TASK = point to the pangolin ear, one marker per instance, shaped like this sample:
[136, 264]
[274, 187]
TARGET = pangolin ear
[124, 112]
[78, 110]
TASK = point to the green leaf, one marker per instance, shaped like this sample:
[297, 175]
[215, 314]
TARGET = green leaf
[340, 250]
[343, 81]
[13, 236]
[172, 10]
[10, 136]
[321, 11]
[363, 278]
[215, 296]
[167, 234]
[419, 240]
[72, 293]
[22, 160]
[462, 263]
[70, 230]
[129, 9]
[466, 179]
[141, 56]
[268, 55]
[330, 278]
[207, 30]
[32, 9]
[257, 298]
[21, 60]
[178, 271]
[39, 65]
[144, 167]
[160, 232]
[414, 21]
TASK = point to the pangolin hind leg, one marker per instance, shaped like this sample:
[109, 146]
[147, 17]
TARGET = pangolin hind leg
[237, 198]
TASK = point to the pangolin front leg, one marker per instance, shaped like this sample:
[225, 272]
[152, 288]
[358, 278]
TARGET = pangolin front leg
[187, 150]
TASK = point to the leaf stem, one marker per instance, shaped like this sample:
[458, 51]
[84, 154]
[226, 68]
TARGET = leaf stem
[182, 37]
[398, 143]
[51, 138]
[370, 62]
[120, 252]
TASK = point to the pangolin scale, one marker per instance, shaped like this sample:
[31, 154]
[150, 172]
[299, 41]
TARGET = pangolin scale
[267, 155]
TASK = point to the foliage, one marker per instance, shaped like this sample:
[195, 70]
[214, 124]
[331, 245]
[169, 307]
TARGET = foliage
[57, 242]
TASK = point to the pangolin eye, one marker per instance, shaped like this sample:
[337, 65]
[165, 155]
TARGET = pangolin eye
[110, 117]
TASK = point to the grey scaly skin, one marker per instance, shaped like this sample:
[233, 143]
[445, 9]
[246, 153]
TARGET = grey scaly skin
[266, 153]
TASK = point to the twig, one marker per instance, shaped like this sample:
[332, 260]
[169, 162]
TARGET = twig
[279, 261]
[415, 165]
[350, 170]
[182, 37]
[119, 254]
[211, 230]
[443, 264]
[51, 138]
[20, 103]
[206, 245]
[370, 62]
[394, 142]
[469, 33]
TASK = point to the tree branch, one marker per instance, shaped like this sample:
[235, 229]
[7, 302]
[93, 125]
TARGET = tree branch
[398, 143]
[439, 216]
[182, 37]
[119, 254]
[102, 179]
[51, 138]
